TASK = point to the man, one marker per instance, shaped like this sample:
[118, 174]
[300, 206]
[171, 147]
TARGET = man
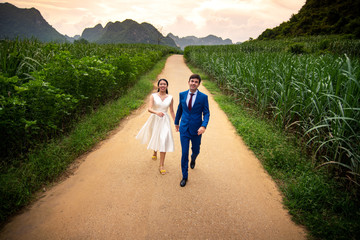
[193, 110]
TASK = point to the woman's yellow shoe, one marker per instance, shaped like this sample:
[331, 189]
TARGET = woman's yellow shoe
[162, 171]
[153, 157]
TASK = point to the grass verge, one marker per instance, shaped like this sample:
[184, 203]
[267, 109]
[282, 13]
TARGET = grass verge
[45, 164]
[312, 196]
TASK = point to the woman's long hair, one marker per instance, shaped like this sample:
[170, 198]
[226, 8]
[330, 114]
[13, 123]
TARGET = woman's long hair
[167, 83]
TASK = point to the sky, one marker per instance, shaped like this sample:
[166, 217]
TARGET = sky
[237, 20]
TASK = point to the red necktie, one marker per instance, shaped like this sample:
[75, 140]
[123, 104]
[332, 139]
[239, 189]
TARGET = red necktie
[190, 101]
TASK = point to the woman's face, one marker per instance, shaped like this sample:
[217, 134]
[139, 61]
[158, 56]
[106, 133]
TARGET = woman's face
[162, 86]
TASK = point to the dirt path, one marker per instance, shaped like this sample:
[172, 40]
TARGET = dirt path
[118, 193]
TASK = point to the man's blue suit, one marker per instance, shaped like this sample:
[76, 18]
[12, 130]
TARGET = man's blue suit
[190, 122]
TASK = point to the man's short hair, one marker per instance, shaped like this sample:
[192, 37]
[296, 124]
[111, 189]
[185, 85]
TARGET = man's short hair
[197, 76]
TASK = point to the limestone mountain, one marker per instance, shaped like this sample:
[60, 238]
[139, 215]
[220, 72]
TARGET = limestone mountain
[26, 23]
[29, 23]
[127, 31]
[192, 40]
[93, 34]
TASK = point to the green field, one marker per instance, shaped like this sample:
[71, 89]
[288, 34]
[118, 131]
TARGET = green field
[58, 100]
[295, 103]
[313, 92]
[45, 88]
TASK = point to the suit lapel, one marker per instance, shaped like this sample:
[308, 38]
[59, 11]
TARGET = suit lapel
[185, 97]
[197, 98]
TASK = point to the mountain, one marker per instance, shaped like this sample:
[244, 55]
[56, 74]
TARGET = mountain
[320, 17]
[127, 31]
[26, 23]
[93, 34]
[72, 39]
[191, 40]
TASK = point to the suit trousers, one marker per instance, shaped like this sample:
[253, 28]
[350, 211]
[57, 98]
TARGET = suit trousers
[185, 139]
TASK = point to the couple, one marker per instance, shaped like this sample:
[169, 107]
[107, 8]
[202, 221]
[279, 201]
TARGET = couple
[193, 110]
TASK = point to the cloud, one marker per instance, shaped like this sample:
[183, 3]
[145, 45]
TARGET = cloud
[78, 27]
[183, 27]
[292, 5]
[237, 20]
[232, 23]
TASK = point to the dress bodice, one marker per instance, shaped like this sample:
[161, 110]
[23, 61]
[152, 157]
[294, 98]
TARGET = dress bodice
[161, 105]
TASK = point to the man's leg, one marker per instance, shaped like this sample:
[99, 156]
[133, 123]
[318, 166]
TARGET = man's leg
[185, 142]
[195, 148]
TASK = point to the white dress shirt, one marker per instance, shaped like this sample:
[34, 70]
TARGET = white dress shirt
[193, 98]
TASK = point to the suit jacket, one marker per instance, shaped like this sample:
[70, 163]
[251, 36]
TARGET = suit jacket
[197, 117]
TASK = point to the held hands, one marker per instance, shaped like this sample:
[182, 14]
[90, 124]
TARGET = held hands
[160, 114]
[201, 130]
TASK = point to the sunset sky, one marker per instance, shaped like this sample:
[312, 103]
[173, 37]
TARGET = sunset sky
[235, 19]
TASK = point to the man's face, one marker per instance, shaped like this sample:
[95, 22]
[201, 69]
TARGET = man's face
[194, 83]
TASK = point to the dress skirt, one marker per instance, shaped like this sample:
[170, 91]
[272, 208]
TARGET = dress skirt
[156, 133]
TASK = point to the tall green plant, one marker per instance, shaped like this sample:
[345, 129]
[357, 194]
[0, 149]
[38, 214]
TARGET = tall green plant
[45, 87]
[317, 96]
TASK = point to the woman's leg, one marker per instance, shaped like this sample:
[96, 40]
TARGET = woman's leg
[154, 157]
[162, 158]
[162, 161]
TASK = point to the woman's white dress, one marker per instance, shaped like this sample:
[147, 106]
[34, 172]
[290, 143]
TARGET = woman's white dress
[156, 132]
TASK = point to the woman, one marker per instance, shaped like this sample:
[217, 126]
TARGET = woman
[156, 132]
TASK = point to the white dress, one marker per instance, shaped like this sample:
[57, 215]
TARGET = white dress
[156, 132]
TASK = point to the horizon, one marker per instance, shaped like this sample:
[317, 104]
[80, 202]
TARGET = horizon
[237, 20]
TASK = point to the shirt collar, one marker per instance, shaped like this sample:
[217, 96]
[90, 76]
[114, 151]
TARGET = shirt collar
[197, 90]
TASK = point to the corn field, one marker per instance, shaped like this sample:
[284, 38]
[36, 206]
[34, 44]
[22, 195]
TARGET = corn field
[315, 94]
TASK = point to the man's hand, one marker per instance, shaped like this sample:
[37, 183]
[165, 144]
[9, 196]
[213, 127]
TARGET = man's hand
[201, 130]
[177, 128]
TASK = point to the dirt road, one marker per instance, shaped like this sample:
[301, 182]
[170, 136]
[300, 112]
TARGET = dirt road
[118, 192]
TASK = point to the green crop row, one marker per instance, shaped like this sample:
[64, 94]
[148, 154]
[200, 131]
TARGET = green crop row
[45, 87]
[316, 96]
